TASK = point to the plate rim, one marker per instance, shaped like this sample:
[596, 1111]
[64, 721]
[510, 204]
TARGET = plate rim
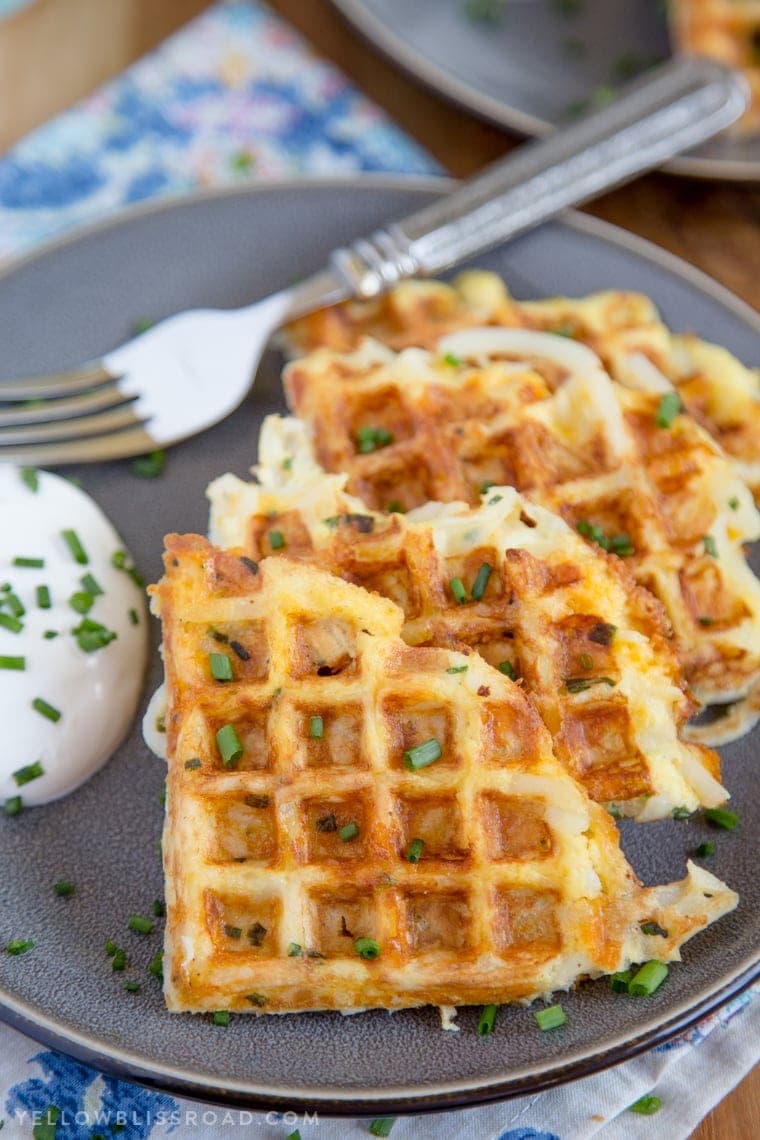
[335, 1100]
[466, 95]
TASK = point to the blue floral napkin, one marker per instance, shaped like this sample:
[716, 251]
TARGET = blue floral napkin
[236, 96]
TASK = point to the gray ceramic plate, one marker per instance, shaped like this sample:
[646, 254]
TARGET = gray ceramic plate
[71, 302]
[498, 67]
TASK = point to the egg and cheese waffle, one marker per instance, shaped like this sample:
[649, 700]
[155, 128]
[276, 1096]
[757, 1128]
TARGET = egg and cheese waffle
[726, 30]
[567, 621]
[353, 822]
[623, 328]
[538, 412]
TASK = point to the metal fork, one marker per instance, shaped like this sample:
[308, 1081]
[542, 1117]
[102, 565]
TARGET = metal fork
[193, 369]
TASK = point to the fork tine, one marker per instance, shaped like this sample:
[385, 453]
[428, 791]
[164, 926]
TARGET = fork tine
[98, 400]
[98, 449]
[56, 384]
[80, 428]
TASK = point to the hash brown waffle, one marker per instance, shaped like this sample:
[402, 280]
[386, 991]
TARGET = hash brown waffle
[289, 883]
[623, 328]
[585, 642]
[538, 412]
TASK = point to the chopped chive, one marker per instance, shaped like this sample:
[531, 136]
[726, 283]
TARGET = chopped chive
[653, 928]
[647, 979]
[119, 959]
[13, 805]
[31, 477]
[256, 934]
[19, 946]
[487, 1019]
[316, 728]
[294, 1135]
[553, 1017]
[194, 763]
[721, 817]
[229, 745]
[150, 466]
[349, 832]
[222, 1017]
[668, 409]
[395, 508]
[681, 813]
[46, 710]
[49, 634]
[14, 604]
[294, 950]
[276, 539]
[12, 624]
[63, 888]
[457, 669]
[580, 684]
[29, 563]
[132, 987]
[587, 661]
[615, 811]
[141, 325]
[221, 666]
[43, 597]
[158, 908]
[423, 754]
[367, 948]
[456, 585]
[452, 360]
[382, 1126]
[256, 999]
[733, 503]
[91, 585]
[91, 635]
[17, 663]
[28, 773]
[414, 850]
[81, 602]
[508, 669]
[710, 545]
[233, 932]
[134, 617]
[139, 924]
[621, 545]
[121, 561]
[705, 850]
[156, 966]
[619, 982]
[111, 948]
[646, 1105]
[481, 581]
[495, 499]
[287, 463]
[78, 552]
[370, 438]
[706, 622]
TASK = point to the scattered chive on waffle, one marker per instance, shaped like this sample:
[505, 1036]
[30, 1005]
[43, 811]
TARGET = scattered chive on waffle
[353, 822]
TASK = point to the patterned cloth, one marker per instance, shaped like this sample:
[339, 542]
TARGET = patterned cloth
[234, 96]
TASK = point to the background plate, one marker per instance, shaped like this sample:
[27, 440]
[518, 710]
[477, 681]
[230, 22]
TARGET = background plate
[73, 301]
[498, 68]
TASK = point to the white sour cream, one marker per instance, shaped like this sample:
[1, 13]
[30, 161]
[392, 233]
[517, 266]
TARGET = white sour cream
[95, 692]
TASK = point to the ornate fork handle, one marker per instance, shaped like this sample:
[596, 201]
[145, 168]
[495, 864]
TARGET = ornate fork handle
[675, 108]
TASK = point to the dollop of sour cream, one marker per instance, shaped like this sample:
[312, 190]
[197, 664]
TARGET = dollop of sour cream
[67, 698]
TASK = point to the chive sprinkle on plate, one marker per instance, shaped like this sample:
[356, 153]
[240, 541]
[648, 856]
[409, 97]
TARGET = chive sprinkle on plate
[553, 1017]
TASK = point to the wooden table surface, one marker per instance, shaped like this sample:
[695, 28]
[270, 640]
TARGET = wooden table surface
[715, 226]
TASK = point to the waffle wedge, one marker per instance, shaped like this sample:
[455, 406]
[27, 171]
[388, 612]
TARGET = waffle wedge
[564, 618]
[289, 882]
[623, 328]
[538, 412]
